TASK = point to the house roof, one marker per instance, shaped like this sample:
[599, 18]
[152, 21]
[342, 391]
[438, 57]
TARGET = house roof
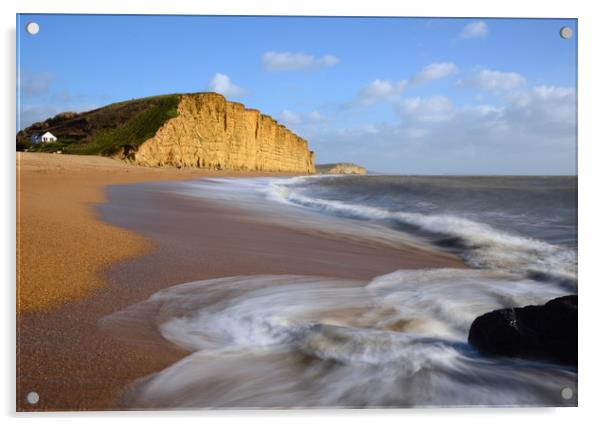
[48, 134]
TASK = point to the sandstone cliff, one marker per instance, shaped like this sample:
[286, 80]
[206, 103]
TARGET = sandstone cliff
[341, 169]
[183, 130]
[211, 132]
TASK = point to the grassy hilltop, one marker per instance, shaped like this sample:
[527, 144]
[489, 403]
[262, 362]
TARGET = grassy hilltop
[118, 127]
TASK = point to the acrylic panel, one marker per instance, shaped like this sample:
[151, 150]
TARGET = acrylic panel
[295, 212]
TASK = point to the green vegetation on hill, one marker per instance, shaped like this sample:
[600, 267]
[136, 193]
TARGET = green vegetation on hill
[119, 127]
[130, 135]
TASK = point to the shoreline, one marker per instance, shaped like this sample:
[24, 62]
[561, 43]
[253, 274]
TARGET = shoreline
[56, 196]
[61, 350]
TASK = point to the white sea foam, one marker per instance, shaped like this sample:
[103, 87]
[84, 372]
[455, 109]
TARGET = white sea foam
[398, 340]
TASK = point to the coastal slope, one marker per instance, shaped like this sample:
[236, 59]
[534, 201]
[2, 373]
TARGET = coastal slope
[201, 130]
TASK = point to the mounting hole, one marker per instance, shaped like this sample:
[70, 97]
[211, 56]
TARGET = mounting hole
[33, 398]
[566, 32]
[567, 393]
[32, 28]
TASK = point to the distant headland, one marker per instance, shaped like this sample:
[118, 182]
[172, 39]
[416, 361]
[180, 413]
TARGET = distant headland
[341, 169]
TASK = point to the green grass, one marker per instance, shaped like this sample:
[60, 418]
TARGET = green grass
[134, 132]
[50, 146]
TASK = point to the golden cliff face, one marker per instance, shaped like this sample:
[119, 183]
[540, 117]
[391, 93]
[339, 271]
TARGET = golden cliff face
[210, 132]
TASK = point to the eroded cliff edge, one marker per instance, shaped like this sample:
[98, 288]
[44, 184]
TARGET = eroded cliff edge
[211, 132]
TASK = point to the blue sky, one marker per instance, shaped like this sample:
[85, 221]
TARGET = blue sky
[398, 95]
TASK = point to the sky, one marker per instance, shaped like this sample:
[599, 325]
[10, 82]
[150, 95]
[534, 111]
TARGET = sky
[396, 95]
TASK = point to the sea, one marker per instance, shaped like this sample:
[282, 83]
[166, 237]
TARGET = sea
[397, 340]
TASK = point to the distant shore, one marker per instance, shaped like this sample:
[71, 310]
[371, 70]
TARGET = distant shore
[73, 269]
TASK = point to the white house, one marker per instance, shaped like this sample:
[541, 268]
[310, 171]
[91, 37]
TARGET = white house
[47, 137]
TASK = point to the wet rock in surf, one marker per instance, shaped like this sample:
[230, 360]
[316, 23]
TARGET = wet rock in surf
[546, 331]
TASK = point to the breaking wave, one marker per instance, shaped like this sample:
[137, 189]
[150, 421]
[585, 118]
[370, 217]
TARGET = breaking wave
[302, 341]
[481, 245]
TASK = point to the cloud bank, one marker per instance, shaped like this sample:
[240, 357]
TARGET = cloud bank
[527, 131]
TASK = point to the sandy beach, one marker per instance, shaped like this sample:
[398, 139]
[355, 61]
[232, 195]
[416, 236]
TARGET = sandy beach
[74, 269]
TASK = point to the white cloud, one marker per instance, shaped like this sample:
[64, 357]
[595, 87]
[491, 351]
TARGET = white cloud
[497, 81]
[434, 109]
[290, 117]
[287, 61]
[477, 29]
[379, 90]
[434, 71]
[386, 90]
[221, 83]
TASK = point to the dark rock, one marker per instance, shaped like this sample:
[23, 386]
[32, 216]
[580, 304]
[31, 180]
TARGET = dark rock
[543, 331]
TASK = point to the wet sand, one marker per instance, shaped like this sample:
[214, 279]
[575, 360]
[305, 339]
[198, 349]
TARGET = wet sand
[58, 232]
[63, 354]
